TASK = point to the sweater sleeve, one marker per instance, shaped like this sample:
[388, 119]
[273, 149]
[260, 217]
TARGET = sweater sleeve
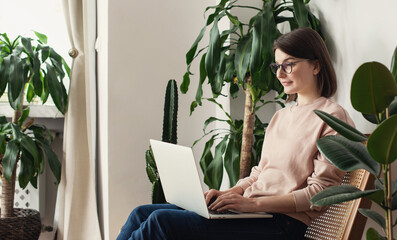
[324, 175]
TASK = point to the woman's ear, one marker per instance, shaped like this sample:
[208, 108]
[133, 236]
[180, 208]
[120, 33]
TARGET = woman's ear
[317, 67]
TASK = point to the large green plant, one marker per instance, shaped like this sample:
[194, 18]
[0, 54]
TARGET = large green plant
[169, 135]
[31, 65]
[240, 56]
[373, 93]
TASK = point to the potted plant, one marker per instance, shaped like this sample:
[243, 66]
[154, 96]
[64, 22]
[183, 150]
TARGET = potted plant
[240, 56]
[29, 68]
[373, 93]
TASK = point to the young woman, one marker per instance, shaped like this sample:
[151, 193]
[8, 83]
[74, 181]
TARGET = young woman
[291, 169]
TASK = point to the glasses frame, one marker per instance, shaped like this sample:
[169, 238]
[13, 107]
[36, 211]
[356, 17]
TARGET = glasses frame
[274, 67]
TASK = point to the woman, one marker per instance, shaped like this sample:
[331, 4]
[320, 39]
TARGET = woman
[291, 169]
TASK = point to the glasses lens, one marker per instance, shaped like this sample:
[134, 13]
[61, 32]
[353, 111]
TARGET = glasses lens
[274, 67]
[287, 67]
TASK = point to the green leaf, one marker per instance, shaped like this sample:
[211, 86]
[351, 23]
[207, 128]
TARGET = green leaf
[382, 144]
[4, 66]
[373, 88]
[374, 216]
[55, 88]
[215, 168]
[203, 76]
[232, 160]
[338, 194]
[151, 168]
[42, 37]
[27, 44]
[192, 51]
[341, 127]
[213, 56]
[24, 116]
[30, 92]
[30, 146]
[193, 106]
[26, 169]
[210, 120]
[16, 132]
[36, 77]
[372, 234]
[16, 79]
[53, 162]
[10, 158]
[347, 155]
[2, 143]
[45, 53]
[185, 83]
[393, 67]
[242, 57]
[205, 161]
[301, 13]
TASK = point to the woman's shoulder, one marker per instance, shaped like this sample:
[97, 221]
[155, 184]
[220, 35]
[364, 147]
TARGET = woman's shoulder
[333, 108]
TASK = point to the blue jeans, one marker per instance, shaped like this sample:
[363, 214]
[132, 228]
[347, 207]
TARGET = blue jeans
[167, 221]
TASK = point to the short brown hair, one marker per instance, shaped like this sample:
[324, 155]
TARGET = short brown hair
[308, 44]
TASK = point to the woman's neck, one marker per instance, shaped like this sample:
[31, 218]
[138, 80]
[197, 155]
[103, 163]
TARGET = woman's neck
[307, 99]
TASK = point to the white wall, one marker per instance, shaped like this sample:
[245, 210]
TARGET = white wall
[143, 45]
[358, 31]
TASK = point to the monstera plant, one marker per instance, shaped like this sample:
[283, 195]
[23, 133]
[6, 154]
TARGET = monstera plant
[373, 93]
[29, 69]
[239, 58]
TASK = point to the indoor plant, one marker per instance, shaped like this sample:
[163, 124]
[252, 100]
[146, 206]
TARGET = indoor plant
[169, 135]
[373, 92]
[31, 66]
[240, 56]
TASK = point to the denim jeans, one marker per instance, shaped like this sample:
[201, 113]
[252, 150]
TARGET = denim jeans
[167, 221]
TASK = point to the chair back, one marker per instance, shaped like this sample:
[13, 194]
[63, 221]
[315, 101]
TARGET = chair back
[342, 221]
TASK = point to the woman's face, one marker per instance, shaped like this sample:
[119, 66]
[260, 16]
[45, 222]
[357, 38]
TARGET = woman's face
[303, 78]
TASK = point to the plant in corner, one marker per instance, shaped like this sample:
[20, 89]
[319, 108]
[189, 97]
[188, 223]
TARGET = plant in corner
[240, 57]
[29, 68]
[373, 93]
[169, 135]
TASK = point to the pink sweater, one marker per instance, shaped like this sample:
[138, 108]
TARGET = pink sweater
[291, 162]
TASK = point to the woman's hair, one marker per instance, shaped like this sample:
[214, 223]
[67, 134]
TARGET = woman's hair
[308, 44]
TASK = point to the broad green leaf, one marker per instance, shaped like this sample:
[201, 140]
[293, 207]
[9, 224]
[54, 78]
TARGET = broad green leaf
[16, 132]
[24, 116]
[372, 234]
[27, 44]
[2, 143]
[301, 13]
[30, 92]
[210, 120]
[338, 194]
[234, 90]
[33, 181]
[374, 216]
[30, 146]
[192, 51]
[10, 158]
[193, 106]
[15, 78]
[242, 57]
[347, 155]
[150, 165]
[393, 67]
[55, 89]
[4, 66]
[53, 162]
[26, 169]
[213, 56]
[42, 37]
[373, 88]
[185, 83]
[36, 77]
[382, 144]
[215, 168]
[232, 160]
[341, 127]
[57, 61]
[205, 160]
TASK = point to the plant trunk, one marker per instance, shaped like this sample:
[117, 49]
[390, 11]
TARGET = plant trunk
[8, 188]
[388, 197]
[248, 132]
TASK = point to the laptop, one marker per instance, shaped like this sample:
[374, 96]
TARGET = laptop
[181, 182]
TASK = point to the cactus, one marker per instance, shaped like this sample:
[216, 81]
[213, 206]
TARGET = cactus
[169, 135]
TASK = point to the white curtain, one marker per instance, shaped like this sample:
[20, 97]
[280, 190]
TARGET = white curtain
[77, 216]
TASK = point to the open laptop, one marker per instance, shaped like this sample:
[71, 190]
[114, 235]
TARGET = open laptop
[181, 182]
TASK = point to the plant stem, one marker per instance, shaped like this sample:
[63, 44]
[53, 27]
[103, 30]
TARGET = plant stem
[388, 201]
[247, 138]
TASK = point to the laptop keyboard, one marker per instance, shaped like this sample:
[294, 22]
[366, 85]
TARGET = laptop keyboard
[221, 213]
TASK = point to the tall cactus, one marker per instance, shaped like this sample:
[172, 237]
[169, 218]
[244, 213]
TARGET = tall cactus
[169, 135]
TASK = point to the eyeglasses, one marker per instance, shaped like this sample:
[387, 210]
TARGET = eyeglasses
[286, 66]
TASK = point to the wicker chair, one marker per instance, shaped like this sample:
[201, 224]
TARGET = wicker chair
[342, 221]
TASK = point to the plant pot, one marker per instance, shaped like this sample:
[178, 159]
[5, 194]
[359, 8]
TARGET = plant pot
[25, 225]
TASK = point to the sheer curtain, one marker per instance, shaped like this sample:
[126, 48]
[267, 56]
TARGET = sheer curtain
[77, 215]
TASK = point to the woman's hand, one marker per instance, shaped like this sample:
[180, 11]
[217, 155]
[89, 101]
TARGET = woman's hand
[213, 194]
[233, 201]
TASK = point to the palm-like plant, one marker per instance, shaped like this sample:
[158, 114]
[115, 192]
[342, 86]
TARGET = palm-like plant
[373, 93]
[240, 56]
[28, 69]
